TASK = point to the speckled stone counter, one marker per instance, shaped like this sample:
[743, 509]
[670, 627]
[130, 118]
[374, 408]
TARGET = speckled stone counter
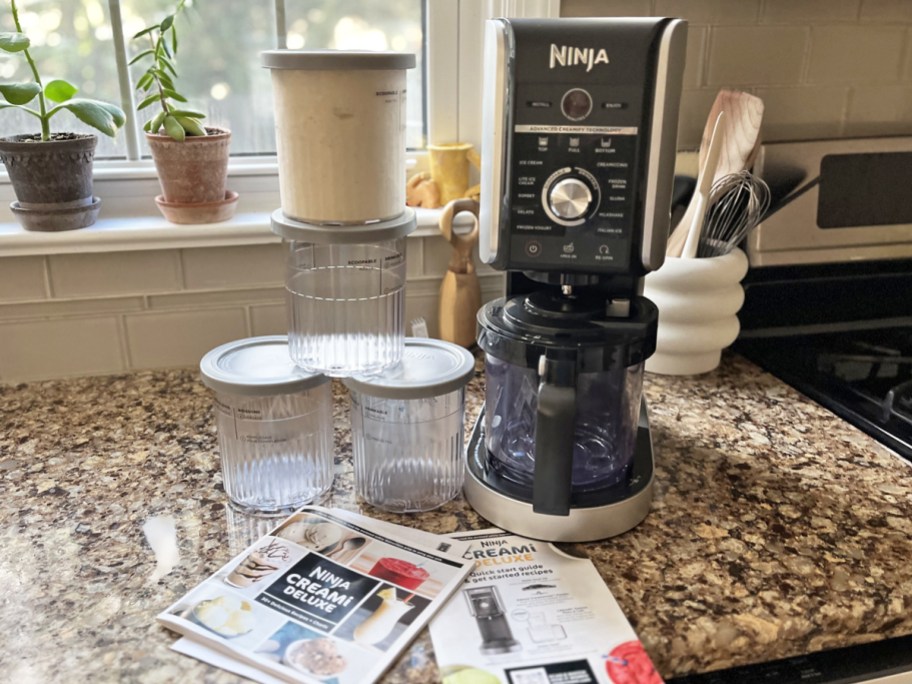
[776, 528]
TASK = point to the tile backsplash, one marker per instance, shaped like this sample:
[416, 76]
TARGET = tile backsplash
[824, 68]
[91, 314]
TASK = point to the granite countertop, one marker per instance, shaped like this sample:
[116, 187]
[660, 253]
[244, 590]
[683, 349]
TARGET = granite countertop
[776, 529]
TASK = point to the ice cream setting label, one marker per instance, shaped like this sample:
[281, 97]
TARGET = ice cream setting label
[317, 592]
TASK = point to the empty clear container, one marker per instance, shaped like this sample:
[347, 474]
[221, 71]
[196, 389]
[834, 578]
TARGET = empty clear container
[407, 428]
[274, 424]
[346, 294]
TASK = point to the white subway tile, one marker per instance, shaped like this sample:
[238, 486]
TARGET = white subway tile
[22, 279]
[216, 298]
[856, 54]
[879, 110]
[482, 268]
[695, 107]
[492, 288]
[179, 339]
[802, 113]
[907, 67]
[41, 350]
[750, 55]
[414, 256]
[812, 11]
[886, 11]
[233, 267]
[113, 273]
[709, 11]
[437, 253]
[57, 308]
[422, 306]
[605, 8]
[269, 319]
[695, 56]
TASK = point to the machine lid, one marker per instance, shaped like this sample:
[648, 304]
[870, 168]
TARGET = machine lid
[428, 368]
[256, 366]
[522, 329]
[349, 234]
[336, 60]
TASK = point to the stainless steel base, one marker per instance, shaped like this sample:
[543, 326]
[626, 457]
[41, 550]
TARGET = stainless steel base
[582, 524]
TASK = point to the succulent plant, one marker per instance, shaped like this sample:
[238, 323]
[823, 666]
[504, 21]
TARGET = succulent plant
[54, 96]
[157, 83]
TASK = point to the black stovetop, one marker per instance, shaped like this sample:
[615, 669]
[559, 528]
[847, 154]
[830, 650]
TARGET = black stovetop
[842, 335]
[863, 376]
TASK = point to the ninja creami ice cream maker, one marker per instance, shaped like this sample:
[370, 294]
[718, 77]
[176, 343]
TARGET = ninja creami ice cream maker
[578, 156]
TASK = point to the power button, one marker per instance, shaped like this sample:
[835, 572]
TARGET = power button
[533, 248]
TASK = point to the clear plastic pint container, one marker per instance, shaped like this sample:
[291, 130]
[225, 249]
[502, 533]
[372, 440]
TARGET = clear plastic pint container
[274, 424]
[407, 428]
[345, 292]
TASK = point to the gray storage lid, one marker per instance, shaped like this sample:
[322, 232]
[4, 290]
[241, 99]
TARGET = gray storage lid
[256, 366]
[348, 234]
[428, 368]
[337, 60]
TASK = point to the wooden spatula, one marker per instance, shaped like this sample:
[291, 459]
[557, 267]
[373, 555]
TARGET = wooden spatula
[704, 185]
[739, 146]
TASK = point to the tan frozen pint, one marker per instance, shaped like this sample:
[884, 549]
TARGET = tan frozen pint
[340, 133]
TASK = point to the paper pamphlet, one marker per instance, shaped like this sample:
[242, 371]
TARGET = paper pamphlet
[531, 614]
[328, 597]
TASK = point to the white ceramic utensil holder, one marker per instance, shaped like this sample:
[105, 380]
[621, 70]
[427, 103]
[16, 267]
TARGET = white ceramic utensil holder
[698, 300]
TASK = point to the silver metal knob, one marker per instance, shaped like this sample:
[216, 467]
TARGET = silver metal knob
[570, 198]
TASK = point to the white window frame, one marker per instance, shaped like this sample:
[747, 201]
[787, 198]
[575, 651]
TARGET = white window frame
[131, 222]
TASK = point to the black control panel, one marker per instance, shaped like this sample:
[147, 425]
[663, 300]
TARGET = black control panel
[582, 122]
[574, 177]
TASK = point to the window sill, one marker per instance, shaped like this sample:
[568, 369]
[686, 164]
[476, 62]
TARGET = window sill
[154, 232]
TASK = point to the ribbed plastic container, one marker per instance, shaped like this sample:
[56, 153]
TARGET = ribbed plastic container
[346, 295]
[274, 424]
[407, 428]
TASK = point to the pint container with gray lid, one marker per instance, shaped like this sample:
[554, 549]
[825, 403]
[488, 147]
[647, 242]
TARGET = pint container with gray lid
[345, 291]
[340, 133]
[274, 424]
[407, 427]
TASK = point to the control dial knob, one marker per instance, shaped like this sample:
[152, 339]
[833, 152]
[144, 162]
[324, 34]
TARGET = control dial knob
[570, 198]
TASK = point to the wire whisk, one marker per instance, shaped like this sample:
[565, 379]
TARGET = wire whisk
[737, 203]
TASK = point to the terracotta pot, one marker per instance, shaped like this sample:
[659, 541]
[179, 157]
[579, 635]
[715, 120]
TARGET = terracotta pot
[195, 170]
[52, 180]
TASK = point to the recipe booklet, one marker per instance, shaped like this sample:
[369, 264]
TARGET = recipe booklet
[328, 597]
[531, 614]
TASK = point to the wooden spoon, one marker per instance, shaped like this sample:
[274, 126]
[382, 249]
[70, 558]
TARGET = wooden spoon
[740, 144]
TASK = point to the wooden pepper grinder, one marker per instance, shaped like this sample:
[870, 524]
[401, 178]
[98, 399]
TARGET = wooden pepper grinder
[460, 293]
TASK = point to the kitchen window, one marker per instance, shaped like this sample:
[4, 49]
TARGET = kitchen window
[219, 66]
[218, 59]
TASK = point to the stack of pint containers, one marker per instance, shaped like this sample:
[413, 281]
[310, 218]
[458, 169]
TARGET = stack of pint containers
[340, 133]
[340, 140]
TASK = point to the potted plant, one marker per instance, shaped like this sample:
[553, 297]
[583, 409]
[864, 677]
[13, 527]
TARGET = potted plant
[190, 158]
[51, 173]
